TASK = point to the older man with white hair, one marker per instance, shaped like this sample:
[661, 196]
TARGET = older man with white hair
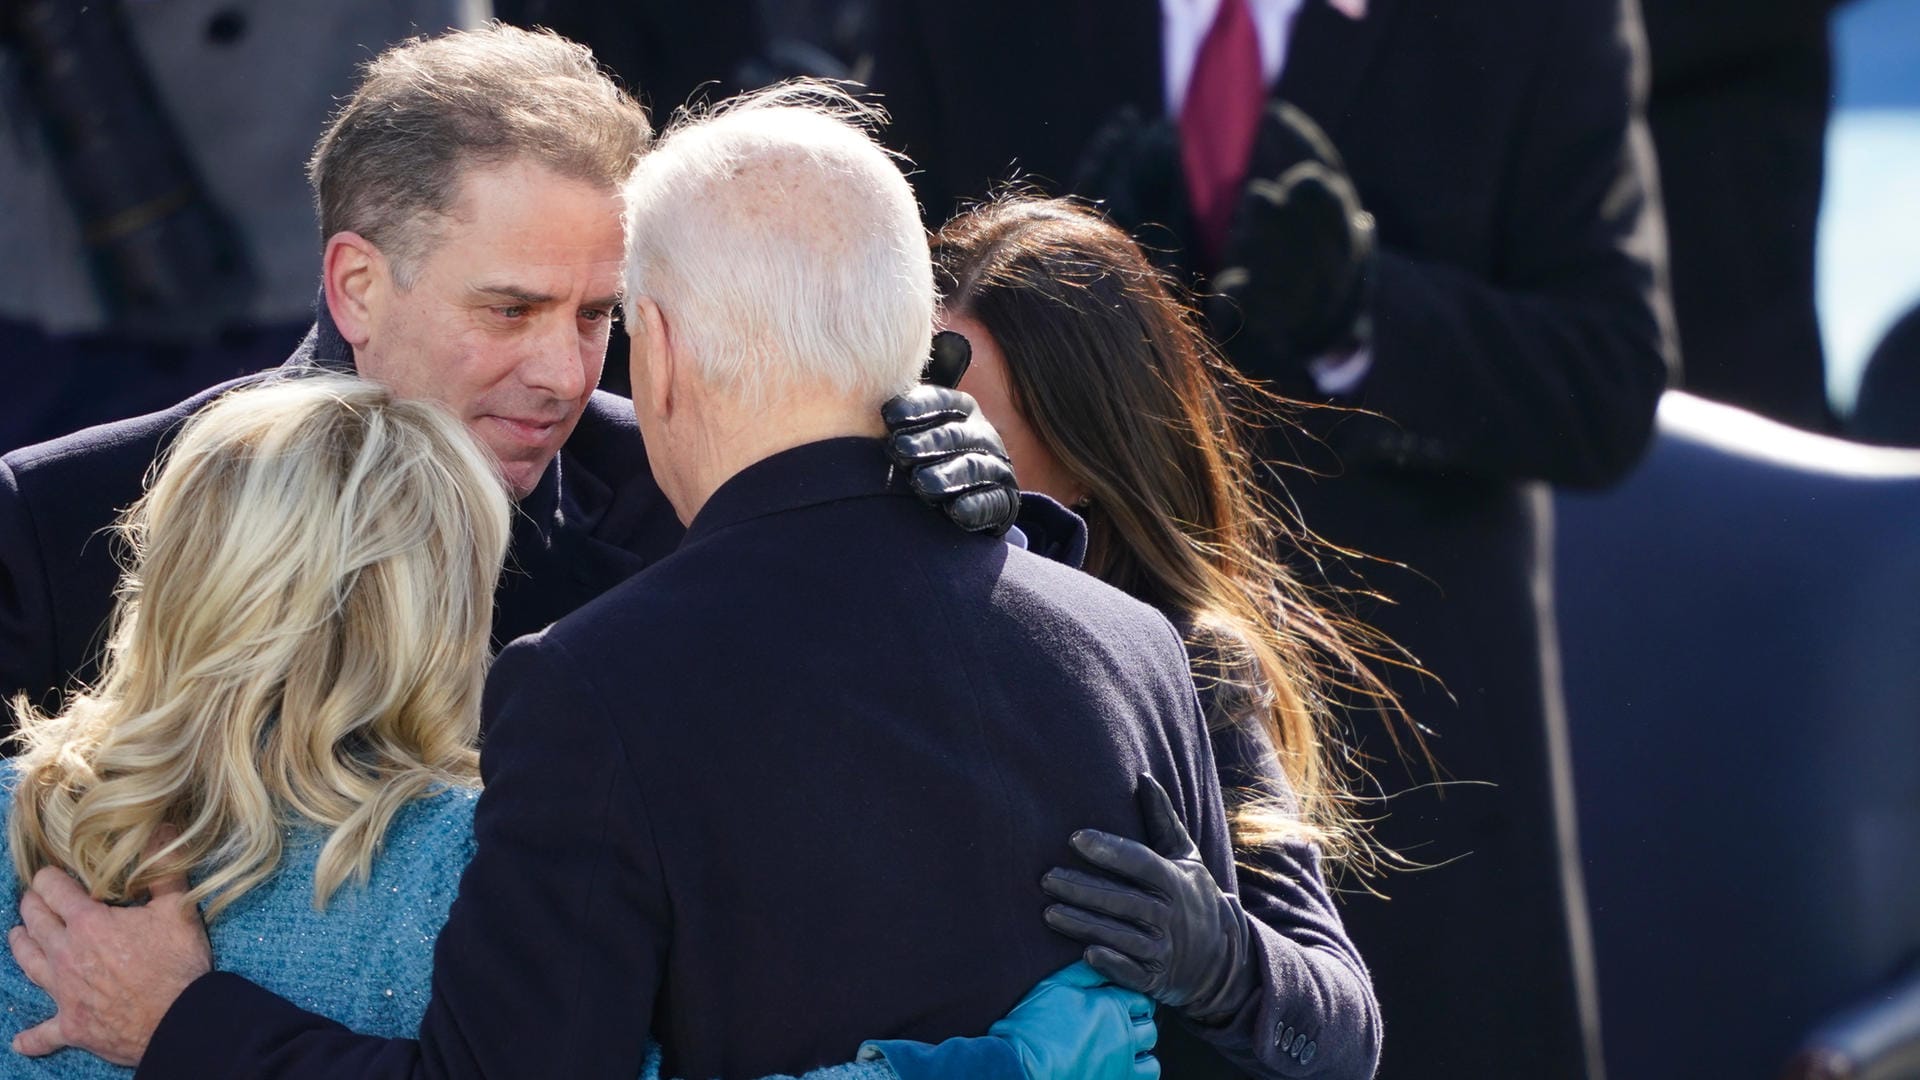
[796, 784]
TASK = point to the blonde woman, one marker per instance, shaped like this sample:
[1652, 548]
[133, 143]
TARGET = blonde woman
[287, 715]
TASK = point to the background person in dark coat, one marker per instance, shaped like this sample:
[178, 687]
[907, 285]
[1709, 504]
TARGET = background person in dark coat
[150, 162]
[1518, 335]
[1740, 98]
[745, 796]
[499, 311]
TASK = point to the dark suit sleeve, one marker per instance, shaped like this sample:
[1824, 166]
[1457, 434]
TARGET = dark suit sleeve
[1550, 367]
[551, 957]
[1315, 984]
[26, 624]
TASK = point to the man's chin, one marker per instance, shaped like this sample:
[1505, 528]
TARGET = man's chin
[522, 476]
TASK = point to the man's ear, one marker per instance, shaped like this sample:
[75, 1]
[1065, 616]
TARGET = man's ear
[650, 356]
[356, 278]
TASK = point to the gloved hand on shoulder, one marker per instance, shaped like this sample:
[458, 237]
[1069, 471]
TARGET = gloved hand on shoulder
[955, 459]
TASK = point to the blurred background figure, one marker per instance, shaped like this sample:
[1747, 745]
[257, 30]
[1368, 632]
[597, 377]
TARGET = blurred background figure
[151, 157]
[1888, 408]
[1788, 135]
[1738, 618]
[1869, 253]
[1452, 224]
[1741, 91]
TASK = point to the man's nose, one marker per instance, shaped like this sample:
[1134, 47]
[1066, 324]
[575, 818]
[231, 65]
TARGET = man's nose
[558, 364]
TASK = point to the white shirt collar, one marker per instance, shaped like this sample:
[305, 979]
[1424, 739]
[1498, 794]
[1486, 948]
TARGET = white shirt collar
[1184, 24]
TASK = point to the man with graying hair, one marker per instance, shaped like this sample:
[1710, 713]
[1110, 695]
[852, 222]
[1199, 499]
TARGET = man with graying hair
[796, 784]
[469, 200]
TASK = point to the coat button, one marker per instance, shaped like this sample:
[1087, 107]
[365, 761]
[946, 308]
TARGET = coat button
[1307, 1052]
[1286, 1037]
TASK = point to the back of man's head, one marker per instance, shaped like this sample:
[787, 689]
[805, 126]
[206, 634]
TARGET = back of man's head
[784, 248]
[389, 164]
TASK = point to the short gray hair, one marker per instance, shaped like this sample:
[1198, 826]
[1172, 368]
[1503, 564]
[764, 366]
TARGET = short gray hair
[426, 110]
[784, 245]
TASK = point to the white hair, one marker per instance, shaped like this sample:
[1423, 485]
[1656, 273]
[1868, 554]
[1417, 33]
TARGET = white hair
[783, 246]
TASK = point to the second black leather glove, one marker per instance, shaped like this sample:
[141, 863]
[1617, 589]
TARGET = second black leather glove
[955, 459]
[1155, 920]
[1298, 278]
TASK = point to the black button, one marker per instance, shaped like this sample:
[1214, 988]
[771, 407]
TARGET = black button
[1306, 1053]
[226, 27]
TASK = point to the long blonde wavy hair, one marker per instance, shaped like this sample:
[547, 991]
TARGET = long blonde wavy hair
[301, 635]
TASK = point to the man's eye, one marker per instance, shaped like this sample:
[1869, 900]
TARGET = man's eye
[596, 314]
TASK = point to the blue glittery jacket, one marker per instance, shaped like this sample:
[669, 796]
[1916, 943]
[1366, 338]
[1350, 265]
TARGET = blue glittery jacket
[366, 961]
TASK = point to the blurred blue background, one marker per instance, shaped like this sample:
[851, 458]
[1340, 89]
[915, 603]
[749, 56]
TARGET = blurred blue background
[1869, 246]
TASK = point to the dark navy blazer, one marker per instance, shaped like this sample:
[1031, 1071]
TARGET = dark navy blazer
[791, 787]
[595, 519]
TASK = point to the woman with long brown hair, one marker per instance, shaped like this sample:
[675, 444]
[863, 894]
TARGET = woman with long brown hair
[1110, 400]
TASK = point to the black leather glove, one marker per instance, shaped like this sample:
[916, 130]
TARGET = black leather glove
[1155, 921]
[1300, 257]
[954, 458]
[1131, 168]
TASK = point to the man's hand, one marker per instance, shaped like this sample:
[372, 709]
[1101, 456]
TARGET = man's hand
[1131, 169]
[112, 971]
[1298, 278]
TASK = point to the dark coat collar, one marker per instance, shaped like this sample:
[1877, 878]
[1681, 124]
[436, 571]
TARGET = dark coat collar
[808, 475]
[323, 349]
[1053, 530]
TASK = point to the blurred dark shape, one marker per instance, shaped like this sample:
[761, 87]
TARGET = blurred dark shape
[1130, 166]
[1741, 94]
[948, 360]
[151, 170]
[1875, 1039]
[1738, 625]
[166, 262]
[663, 50]
[1887, 410]
[1298, 279]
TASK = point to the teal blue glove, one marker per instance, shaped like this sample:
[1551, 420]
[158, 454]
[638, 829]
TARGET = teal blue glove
[1074, 1025]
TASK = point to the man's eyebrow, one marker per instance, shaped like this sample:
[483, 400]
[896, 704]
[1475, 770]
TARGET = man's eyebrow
[512, 292]
[527, 296]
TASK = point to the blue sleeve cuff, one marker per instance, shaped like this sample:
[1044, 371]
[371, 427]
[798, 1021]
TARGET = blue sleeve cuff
[983, 1058]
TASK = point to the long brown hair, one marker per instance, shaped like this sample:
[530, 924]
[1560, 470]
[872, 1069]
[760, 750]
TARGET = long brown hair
[1118, 381]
